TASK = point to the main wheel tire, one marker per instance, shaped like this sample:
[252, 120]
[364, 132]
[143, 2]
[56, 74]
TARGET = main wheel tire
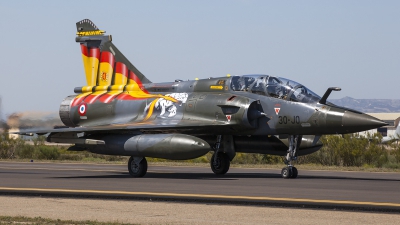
[286, 173]
[294, 172]
[137, 169]
[221, 164]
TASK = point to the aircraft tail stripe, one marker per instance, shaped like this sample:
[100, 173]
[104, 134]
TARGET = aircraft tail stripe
[107, 98]
[121, 76]
[107, 57]
[84, 50]
[94, 52]
[121, 68]
[133, 77]
[92, 98]
[78, 99]
[94, 65]
[135, 80]
[90, 58]
[106, 69]
[90, 52]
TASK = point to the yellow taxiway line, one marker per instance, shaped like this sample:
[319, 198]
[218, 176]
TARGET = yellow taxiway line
[204, 196]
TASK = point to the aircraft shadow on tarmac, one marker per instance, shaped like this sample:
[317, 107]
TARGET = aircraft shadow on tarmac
[230, 176]
[189, 176]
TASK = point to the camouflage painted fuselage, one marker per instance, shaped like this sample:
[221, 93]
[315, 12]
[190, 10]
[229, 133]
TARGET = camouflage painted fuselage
[208, 106]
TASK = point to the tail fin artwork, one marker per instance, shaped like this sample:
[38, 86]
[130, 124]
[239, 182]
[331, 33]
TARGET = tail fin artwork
[107, 70]
[109, 74]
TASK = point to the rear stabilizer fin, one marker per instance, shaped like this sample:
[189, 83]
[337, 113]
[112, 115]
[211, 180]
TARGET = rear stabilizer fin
[101, 58]
[109, 74]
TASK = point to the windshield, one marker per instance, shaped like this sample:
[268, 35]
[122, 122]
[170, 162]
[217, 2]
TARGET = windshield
[276, 87]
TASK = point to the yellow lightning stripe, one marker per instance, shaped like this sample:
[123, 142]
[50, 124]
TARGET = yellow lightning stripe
[151, 108]
[150, 112]
[228, 197]
[90, 33]
[134, 90]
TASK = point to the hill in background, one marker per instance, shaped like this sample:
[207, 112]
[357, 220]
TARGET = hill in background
[369, 105]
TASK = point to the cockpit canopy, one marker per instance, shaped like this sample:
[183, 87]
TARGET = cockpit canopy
[276, 87]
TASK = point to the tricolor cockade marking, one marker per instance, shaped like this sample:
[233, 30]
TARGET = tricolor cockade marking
[277, 110]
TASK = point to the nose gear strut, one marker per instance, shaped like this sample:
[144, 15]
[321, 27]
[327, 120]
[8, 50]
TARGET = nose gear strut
[294, 143]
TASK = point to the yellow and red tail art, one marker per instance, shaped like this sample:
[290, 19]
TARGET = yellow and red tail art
[108, 80]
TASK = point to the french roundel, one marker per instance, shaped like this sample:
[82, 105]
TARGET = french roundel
[82, 109]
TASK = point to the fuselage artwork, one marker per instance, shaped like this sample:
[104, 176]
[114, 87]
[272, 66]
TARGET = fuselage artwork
[120, 112]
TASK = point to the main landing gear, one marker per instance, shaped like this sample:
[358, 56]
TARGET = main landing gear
[220, 161]
[290, 171]
[137, 166]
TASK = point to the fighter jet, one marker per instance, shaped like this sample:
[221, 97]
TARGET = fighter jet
[121, 112]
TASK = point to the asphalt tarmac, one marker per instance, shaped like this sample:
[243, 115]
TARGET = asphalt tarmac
[329, 189]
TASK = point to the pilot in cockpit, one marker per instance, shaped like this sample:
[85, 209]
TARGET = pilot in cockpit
[281, 90]
[257, 86]
[241, 84]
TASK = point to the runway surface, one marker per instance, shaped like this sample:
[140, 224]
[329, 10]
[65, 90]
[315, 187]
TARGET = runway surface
[253, 186]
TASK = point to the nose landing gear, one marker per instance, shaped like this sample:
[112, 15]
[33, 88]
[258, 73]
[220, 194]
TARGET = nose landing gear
[290, 171]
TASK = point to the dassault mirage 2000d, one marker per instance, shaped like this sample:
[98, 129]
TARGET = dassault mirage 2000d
[120, 112]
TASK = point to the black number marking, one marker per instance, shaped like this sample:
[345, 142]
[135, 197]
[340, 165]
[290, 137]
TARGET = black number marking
[284, 120]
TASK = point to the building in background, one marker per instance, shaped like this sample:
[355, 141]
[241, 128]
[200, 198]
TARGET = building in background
[392, 119]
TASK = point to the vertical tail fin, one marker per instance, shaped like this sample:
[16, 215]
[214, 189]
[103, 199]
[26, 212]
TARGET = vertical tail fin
[101, 58]
[106, 68]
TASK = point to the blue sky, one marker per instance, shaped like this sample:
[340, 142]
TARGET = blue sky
[351, 44]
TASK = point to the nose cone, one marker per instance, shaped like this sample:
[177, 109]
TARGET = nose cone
[356, 122]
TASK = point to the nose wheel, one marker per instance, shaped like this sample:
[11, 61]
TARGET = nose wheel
[290, 171]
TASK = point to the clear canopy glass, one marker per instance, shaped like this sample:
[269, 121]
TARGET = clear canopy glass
[276, 87]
